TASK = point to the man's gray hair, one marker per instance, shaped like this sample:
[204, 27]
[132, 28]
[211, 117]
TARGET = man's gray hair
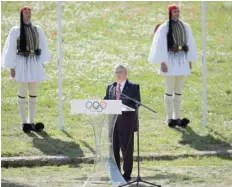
[120, 66]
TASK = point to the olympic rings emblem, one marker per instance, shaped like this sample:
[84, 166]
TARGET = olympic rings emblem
[96, 106]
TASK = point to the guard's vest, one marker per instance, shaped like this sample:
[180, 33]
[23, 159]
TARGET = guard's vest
[179, 33]
[179, 36]
[32, 38]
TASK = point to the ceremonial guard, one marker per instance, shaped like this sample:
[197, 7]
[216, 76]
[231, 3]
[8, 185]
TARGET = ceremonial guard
[24, 54]
[173, 47]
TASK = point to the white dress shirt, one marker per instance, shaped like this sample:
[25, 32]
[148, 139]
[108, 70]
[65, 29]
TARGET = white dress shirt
[122, 84]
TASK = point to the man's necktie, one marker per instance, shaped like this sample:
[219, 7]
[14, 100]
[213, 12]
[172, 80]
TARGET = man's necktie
[118, 92]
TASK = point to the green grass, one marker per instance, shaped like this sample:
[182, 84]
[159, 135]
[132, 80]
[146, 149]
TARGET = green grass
[182, 172]
[97, 35]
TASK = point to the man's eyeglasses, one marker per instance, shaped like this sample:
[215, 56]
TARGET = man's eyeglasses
[118, 72]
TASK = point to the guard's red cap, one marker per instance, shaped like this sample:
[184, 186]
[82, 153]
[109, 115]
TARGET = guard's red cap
[172, 7]
[25, 8]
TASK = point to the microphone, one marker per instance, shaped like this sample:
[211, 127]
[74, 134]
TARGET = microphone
[111, 89]
[136, 102]
[124, 96]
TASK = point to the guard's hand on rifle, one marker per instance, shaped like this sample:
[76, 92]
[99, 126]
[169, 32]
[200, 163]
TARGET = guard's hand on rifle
[12, 73]
[164, 67]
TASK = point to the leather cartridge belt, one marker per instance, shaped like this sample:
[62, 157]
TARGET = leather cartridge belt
[177, 48]
[29, 53]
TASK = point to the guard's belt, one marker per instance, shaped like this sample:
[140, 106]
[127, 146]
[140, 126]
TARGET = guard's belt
[29, 53]
[177, 48]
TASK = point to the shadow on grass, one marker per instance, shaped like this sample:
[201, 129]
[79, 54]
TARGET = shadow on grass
[6, 183]
[204, 143]
[67, 134]
[156, 178]
[52, 146]
[88, 146]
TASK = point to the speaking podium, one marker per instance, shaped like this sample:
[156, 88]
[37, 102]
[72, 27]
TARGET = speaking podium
[102, 115]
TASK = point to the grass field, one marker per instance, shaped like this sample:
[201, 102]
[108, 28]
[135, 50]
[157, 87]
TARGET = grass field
[97, 35]
[178, 173]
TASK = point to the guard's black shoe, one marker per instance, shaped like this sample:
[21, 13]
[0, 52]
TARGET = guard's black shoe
[172, 123]
[38, 127]
[26, 127]
[184, 122]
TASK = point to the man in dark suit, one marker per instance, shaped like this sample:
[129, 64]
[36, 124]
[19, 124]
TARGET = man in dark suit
[127, 123]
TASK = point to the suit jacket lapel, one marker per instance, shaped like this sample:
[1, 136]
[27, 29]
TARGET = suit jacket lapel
[125, 88]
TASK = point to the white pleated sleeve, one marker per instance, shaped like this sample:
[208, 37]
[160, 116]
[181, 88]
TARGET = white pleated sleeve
[9, 52]
[159, 50]
[43, 45]
[192, 53]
